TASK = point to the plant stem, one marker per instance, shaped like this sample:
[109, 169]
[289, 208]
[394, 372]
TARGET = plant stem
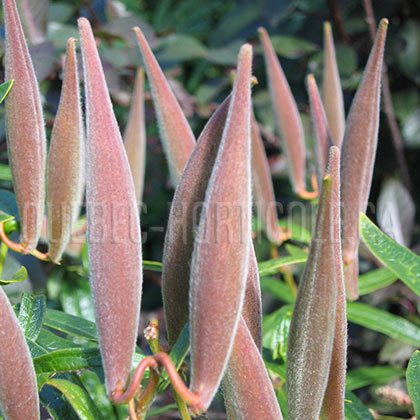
[182, 407]
[3, 252]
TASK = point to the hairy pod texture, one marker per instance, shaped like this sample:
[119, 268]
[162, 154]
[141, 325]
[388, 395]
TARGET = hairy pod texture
[113, 224]
[358, 157]
[311, 334]
[333, 404]
[177, 138]
[66, 166]
[263, 190]
[221, 247]
[323, 140]
[287, 114]
[18, 387]
[26, 141]
[332, 94]
[135, 136]
[183, 221]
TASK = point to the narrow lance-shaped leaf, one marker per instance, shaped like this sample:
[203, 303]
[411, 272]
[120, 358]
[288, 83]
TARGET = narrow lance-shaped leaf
[221, 248]
[311, 335]
[177, 137]
[135, 136]
[264, 198]
[183, 220]
[18, 387]
[114, 244]
[25, 130]
[332, 93]
[287, 114]
[66, 166]
[358, 157]
[323, 140]
[333, 404]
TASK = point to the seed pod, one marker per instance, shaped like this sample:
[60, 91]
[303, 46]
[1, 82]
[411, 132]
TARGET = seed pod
[358, 158]
[333, 404]
[177, 137]
[114, 245]
[247, 388]
[287, 114]
[221, 247]
[323, 140]
[135, 136]
[25, 131]
[183, 220]
[311, 334]
[65, 172]
[332, 93]
[18, 387]
[263, 187]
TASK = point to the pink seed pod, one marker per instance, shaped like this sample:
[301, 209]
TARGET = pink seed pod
[183, 221]
[358, 158]
[264, 198]
[333, 404]
[135, 136]
[247, 388]
[323, 140]
[25, 131]
[332, 93]
[287, 114]
[221, 247]
[18, 387]
[114, 244]
[65, 171]
[177, 138]
[311, 335]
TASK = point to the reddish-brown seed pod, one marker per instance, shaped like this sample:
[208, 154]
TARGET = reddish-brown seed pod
[358, 158]
[183, 220]
[177, 138]
[66, 166]
[114, 244]
[18, 387]
[264, 198]
[25, 131]
[135, 136]
[323, 140]
[287, 114]
[221, 247]
[311, 334]
[332, 93]
[333, 404]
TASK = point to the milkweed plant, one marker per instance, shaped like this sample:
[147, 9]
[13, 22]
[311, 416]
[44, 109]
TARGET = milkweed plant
[256, 305]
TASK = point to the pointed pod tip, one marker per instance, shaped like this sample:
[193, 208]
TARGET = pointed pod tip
[334, 160]
[262, 31]
[245, 51]
[82, 22]
[384, 23]
[327, 26]
[310, 80]
[71, 41]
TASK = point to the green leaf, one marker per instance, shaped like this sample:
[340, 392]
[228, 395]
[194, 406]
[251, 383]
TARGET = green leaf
[70, 324]
[5, 88]
[56, 404]
[75, 297]
[152, 265]
[5, 172]
[375, 280]
[278, 366]
[78, 398]
[393, 326]
[272, 266]
[371, 375]
[179, 47]
[400, 260]
[160, 410]
[20, 275]
[51, 342]
[277, 288]
[413, 381]
[8, 204]
[291, 46]
[31, 315]
[297, 231]
[354, 409]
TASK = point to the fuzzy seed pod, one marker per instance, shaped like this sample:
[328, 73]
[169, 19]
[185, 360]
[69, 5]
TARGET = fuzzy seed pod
[332, 93]
[183, 220]
[135, 136]
[311, 335]
[65, 171]
[177, 138]
[287, 114]
[25, 131]
[358, 157]
[323, 140]
[221, 247]
[113, 225]
[18, 387]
